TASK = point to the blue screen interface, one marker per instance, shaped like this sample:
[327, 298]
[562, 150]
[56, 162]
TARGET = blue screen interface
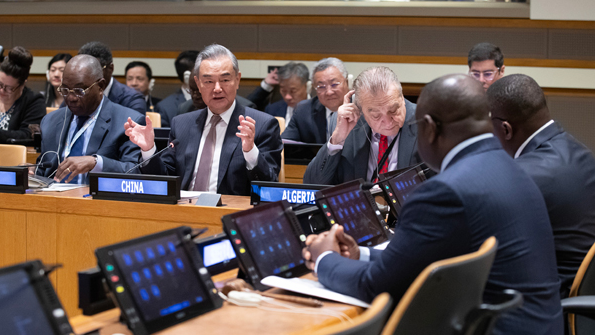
[353, 211]
[292, 195]
[8, 178]
[128, 186]
[161, 277]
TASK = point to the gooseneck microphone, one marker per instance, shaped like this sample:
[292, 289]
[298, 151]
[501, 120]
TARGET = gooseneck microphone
[170, 145]
[43, 165]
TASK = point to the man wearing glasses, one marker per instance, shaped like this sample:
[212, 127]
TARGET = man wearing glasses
[374, 134]
[87, 135]
[311, 118]
[486, 63]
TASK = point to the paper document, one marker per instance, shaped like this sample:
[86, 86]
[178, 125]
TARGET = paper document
[190, 194]
[311, 287]
[61, 187]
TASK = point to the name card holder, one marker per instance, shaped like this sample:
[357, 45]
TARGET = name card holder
[134, 187]
[14, 179]
[267, 191]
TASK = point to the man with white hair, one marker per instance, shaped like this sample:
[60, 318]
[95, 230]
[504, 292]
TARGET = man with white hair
[209, 153]
[311, 118]
[365, 147]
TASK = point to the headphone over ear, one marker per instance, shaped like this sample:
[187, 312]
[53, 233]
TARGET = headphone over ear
[47, 75]
[187, 77]
[350, 81]
[309, 87]
[151, 85]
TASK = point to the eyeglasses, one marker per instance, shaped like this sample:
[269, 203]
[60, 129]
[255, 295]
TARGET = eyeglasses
[487, 75]
[79, 92]
[9, 89]
[334, 86]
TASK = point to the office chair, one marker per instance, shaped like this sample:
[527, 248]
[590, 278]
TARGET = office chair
[446, 297]
[370, 322]
[282, 171]
[50, 109]
[12, 155]
[155, 119]
[580, 304]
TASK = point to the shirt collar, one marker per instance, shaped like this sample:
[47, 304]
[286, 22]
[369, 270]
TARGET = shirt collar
[187, 95]
[225, 116]
[522, 147]
[328, 112]
[108, 89]
[459, 147]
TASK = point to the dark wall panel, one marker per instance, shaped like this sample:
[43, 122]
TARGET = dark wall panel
[178, 37]
[457, 41]
[572, 44]
[70, 36]
[6, 36]
[577, 116]
[328, 39]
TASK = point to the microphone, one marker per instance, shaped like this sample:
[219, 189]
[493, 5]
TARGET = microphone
[170, 145]
[43, 165]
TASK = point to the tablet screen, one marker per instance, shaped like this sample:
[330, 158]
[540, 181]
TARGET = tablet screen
[269, 237]
[403, 184]
[21, 312]
[218, 253]
[161, 277]
[353, 211]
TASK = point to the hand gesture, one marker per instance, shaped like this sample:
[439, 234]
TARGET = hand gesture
[73, 166]
[143, 136]
[272, 78]
[247, 130]
[347, 117]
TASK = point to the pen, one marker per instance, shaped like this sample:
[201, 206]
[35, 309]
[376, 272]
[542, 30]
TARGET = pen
[86, 195]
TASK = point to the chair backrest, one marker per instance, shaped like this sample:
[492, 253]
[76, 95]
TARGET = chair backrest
[11, 155]
[583, 284]
[443, 294]
[369, 322]
[282, 171]
[155, 119]
[50, 109]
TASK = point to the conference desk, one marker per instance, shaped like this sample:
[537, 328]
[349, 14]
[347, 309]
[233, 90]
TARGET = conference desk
[229, 319]
[66, 228]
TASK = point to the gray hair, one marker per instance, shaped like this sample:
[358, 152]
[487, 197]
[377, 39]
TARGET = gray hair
[293, 69]
[325, 63]
[374, 80]
[215, 51]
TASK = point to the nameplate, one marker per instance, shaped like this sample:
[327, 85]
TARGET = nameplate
[14, 179]
[294, 193]
[139, 188]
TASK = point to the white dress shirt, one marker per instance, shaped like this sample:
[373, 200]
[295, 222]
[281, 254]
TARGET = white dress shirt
[288, 114]
[187, 95]
[109, 87]
[522, 147]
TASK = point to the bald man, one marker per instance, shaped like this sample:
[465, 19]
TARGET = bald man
[479, 192]
[86, 135]
[562, 167]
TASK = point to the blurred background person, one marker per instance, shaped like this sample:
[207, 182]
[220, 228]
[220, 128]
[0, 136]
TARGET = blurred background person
[19, 106]
[293, 81]
[140, 77]
[54, 78]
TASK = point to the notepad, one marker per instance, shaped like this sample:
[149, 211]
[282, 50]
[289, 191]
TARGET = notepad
[312, 288]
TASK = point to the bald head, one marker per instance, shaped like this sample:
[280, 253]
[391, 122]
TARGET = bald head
[87, 64]
[518, 109]
[450, 109]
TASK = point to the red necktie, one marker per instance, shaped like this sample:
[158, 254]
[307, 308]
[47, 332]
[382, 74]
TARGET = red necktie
[382, 146]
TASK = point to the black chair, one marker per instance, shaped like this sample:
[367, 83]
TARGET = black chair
[580, 304]
[446, 298]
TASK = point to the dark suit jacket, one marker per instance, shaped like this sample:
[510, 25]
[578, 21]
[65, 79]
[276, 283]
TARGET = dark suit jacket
[259, 98]
[188, 106]
[234, 177]
[127, 97]
[278, 108]
[308, 123]
[168, 107]
[152, 102]
[481, 193]
[352, 162]
[107, 139]
[29, 109]
[564, 170]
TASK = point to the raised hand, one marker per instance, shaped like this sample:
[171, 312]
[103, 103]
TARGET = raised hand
[247, 130]
[272, 78]
[347, 117]
[143, 136]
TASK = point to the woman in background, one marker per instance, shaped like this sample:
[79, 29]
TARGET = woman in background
[54, 76]
[19, 106]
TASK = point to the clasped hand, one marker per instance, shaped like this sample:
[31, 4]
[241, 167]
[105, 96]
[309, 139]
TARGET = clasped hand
[333, 240]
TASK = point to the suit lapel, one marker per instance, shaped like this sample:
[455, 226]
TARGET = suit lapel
[63, 124]
[194, 133]
[408, 138]
[230, 143]
[361, 149]
[101, 128]
[544, 135]
[319, 118]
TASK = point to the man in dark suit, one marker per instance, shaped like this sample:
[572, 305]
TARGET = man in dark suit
[358, 144]
[311, 118]
[139, 76]
[115, 91]
[293, 83]
[562, 167]
[209, 154]
[87, 135]
[168, 107]
[262, 95]
[479, 192]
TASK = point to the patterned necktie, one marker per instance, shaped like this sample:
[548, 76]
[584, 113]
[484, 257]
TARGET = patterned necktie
[77, 147]
[382, 146]
[203, 175]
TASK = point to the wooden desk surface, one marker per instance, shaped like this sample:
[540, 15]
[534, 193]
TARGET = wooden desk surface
[64, 227]
[230, 319]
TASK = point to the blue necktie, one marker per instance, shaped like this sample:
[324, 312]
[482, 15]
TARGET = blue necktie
[78, 146]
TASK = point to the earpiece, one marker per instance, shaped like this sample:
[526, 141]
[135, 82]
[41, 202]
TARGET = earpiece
[309, 87]
[47, 75]
[350, 81]
[187, 77]
[152, 84]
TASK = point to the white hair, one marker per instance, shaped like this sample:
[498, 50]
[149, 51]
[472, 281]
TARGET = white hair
[215, 51]
[325, 63]
[374, 80]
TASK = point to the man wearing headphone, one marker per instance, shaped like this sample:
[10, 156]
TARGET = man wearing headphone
[140, 77]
